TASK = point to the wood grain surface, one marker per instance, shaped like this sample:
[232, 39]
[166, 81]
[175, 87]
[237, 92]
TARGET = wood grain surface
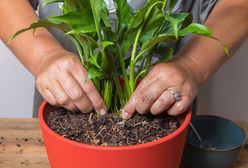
[21, 145]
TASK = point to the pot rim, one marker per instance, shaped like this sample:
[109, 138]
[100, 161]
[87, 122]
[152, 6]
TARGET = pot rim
[169, 137]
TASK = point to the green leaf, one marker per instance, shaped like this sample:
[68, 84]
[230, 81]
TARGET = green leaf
[128, 40]
[124, 13]
[109, 35]
[142, 13]
[140, 75]
[106, 44]
[78, 46]
[84, 36]
[105, 15]
[93, 73]
[172, 5]
[46, 2]
[167, 55]
[83, 29]
[197, 29]
[94, 61]
[104, 59]
[153, 24]
[201, 30]
[176, 21]
[42, 23]
[100, 12]
[75, 5]
[162, 37]
[79, 18]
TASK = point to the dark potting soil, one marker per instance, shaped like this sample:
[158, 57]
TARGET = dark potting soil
[110, 130]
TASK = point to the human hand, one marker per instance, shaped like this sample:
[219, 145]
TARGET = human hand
[61, 81]
[153, 93]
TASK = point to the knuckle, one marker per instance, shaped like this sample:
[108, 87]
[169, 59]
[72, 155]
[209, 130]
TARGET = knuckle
[76, 95]
[89, 88]
[179, 107]
[146, 99]
[63, 100]
[176, 76]
[163, 100]
[52, 102]
[70, 107]
[72, 62]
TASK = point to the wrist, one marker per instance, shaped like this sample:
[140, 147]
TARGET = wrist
[192, 68]
[49, 56]
[44, 48]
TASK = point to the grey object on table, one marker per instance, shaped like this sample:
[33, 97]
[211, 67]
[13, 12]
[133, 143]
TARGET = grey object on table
[222, 141]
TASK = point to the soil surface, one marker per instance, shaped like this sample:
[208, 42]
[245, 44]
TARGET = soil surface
[110, 130]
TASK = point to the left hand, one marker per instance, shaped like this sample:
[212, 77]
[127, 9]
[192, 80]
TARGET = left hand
[152, 94]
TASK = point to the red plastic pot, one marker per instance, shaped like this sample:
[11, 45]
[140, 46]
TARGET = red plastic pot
[163, 153]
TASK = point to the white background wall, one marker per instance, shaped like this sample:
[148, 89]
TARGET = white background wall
[226, 94]
[16, 86]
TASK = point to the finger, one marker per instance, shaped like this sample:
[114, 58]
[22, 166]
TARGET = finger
[149, 96]
[162, 103]
[130, 107]
[89, 88]
[148, 80]
[180, 106]
[71, 86]
[48, 96]
[84, 104]
[71, 107]
[58, 92]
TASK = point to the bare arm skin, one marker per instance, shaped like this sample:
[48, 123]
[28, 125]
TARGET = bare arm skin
[59, 74]
[196, 63]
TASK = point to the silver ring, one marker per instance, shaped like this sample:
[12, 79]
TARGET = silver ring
[176, 95]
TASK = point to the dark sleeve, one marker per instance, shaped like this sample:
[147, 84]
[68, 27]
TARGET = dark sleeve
[34, 3]
[199, 8]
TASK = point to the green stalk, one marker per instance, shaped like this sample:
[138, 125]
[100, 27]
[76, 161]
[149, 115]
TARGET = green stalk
[164, 5]
[116, 79]
[107, 93]
[139, 55]
[135, 46]
[97, 25]
[123, 69]
[133, 62]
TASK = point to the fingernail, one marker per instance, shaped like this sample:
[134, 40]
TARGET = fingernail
[125, 115]
[102, 111]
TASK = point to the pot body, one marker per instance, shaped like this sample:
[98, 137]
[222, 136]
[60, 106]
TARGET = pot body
[163, 153]
[223, 141]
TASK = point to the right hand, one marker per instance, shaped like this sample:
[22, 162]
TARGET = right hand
[61, 81]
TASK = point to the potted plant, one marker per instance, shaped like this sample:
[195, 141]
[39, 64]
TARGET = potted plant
[110, 53]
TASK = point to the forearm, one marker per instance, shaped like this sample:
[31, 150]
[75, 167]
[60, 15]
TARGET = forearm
[30, 49]
[228, 21]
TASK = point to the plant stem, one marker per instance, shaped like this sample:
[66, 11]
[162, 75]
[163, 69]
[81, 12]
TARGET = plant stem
[135, 46]
[164, 5]
[107, 92]
[133, 63]
[123, 69]
[116, 78]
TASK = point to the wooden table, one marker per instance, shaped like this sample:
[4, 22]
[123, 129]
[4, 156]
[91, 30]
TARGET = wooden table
[21, 145]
